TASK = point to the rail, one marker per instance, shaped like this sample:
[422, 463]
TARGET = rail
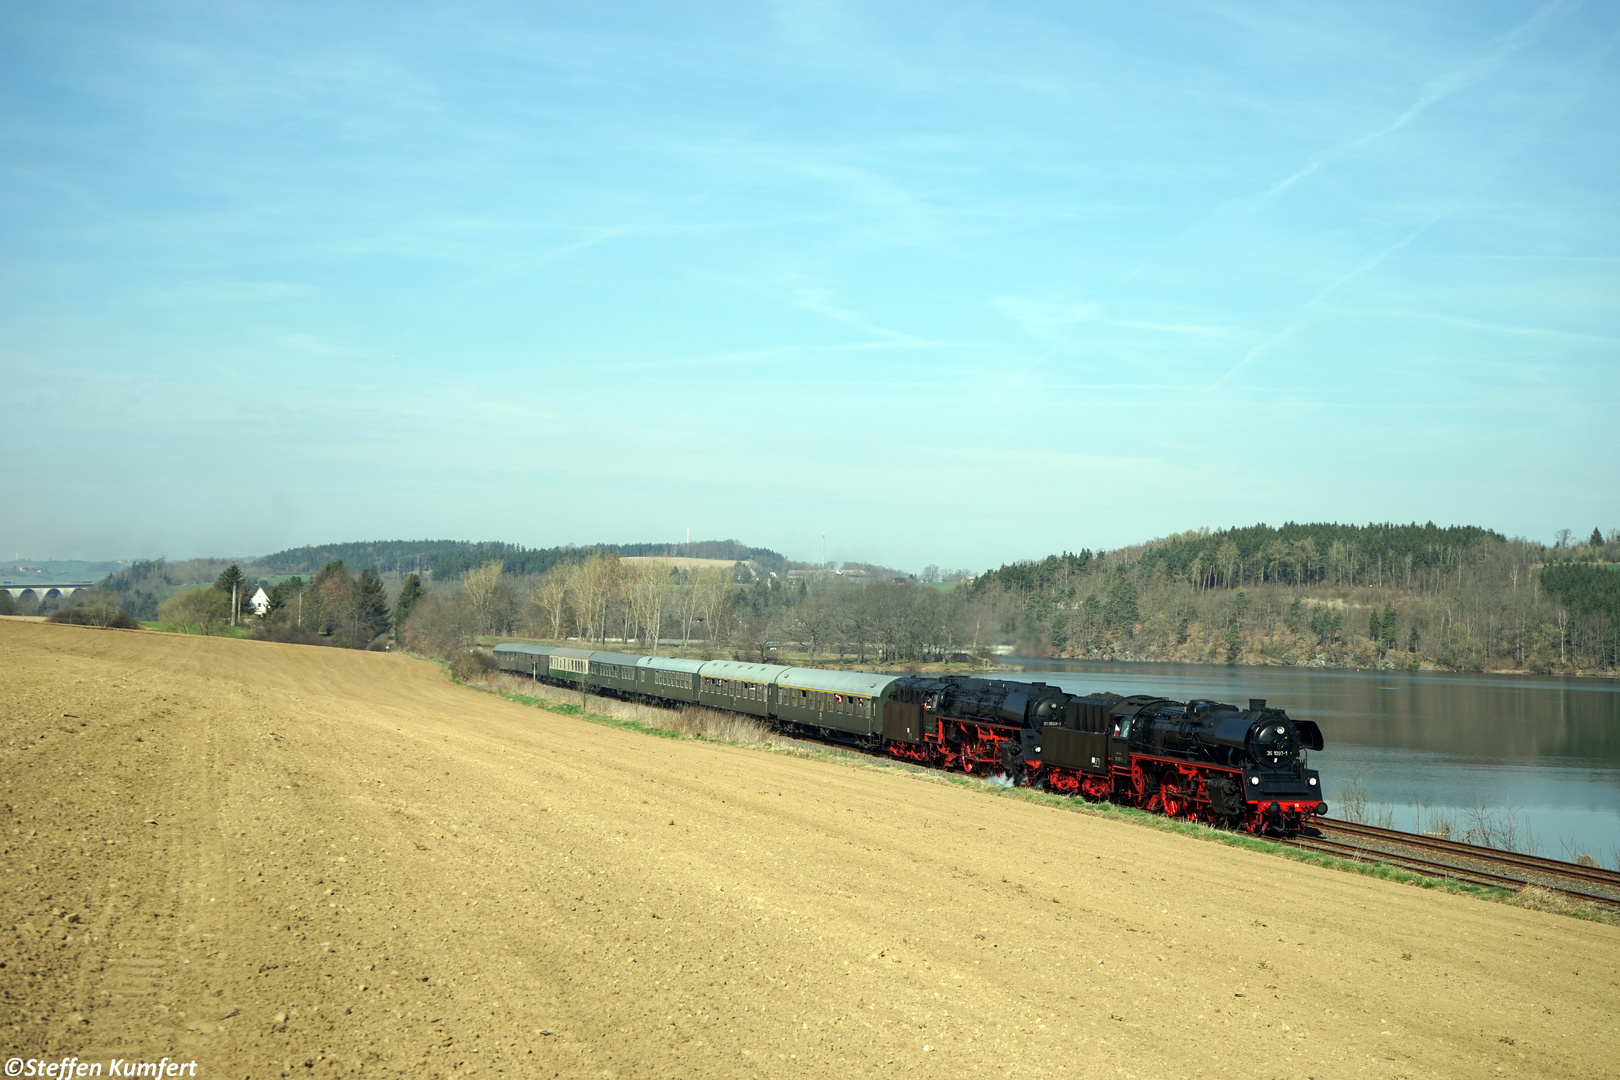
[1532, 870]
[1539, 863]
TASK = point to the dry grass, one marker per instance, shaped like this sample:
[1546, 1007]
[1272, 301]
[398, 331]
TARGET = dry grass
[692, 720]
[1536, 898]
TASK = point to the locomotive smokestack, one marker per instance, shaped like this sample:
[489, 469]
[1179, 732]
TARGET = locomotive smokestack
[1256, 704]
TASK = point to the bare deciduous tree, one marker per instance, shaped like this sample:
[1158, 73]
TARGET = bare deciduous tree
[482, 588]
[647, 585]
[548, 603]
[591, 586]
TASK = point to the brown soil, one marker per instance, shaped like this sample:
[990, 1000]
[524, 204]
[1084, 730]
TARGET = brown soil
[276, 860]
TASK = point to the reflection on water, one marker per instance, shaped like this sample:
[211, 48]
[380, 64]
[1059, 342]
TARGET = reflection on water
[1546, 746]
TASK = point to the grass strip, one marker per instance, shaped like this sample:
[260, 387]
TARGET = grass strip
[1244, 841]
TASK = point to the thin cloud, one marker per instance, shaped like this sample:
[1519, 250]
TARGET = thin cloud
[1435, 92]
[1329, 289]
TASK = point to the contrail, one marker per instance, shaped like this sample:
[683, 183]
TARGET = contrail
[1327, 290]
[1436, 91]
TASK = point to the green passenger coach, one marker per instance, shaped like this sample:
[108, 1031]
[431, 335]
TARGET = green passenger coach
[732, 684]
[847, 701]
[668, 678]
[520, 659]
[614, 671]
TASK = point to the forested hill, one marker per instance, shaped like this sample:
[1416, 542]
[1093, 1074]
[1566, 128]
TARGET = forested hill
[1463, 597]
[1293, 554]
[449, 558]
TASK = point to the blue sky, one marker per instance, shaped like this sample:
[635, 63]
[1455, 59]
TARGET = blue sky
[952, 284]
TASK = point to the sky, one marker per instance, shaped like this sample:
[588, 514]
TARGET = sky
[948, 283]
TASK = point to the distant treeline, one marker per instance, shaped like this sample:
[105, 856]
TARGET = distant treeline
[1464, 598]
[445, 559]
[1293, 554]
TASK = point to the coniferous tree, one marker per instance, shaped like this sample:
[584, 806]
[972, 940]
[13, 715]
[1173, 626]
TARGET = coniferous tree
[1389, 639]
[409, 594]
[1597, 538]
[233, 583]
[284, 592]
[371, 608]
[230, 577]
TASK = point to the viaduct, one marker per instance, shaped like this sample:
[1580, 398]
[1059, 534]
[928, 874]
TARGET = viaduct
[37, 591]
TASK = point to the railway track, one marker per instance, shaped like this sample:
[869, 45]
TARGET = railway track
[1596, 875]
[1435, 857]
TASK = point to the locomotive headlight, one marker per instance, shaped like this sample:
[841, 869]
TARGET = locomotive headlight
[1313, 781]
[1254, 780]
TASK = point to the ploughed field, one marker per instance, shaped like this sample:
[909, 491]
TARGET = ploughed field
[277, 859]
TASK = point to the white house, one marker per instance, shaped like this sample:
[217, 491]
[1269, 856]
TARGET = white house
[260, 602]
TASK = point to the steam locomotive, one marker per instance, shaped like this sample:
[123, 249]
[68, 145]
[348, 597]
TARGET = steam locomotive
[1198, 760]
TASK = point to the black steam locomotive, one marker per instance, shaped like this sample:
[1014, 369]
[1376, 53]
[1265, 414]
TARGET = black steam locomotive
[1201, 760]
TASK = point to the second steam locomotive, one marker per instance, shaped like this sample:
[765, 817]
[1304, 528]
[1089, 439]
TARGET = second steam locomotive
[1238, 768]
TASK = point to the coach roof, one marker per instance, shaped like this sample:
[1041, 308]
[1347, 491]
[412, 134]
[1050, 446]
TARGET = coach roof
[859, 683]
[737, 669]
[525, 649]
[670, 663]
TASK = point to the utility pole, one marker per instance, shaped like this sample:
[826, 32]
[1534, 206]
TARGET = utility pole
[234, 587]
[824, 551]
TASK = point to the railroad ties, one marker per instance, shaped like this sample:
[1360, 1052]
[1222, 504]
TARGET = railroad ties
[1466, 863]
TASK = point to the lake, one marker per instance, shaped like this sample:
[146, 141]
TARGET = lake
[1537, 755]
